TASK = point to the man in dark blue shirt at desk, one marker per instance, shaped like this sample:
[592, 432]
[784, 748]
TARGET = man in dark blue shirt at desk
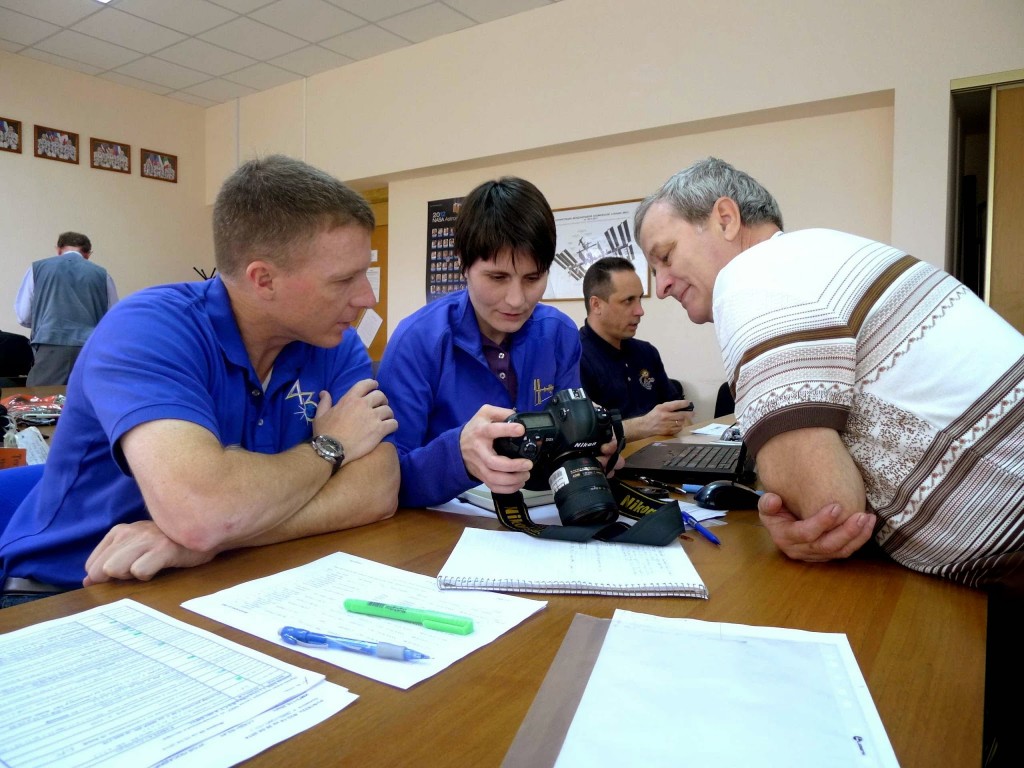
[618, 370]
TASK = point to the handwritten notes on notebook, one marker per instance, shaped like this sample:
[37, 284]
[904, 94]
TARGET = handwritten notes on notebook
[505, 561]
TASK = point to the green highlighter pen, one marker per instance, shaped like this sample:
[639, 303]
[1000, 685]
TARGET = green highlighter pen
[443, 622]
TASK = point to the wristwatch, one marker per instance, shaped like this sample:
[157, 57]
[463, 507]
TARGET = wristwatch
[329, 449]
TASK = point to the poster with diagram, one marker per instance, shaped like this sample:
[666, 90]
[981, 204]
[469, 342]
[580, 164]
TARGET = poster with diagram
[587, 234]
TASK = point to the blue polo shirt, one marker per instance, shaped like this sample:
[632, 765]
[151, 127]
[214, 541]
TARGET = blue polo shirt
[170, 352]
[436, 377]
[632, 378]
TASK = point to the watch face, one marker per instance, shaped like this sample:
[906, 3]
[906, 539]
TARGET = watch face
[328, 447]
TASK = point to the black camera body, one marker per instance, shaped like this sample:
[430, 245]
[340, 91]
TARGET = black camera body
[563, 440]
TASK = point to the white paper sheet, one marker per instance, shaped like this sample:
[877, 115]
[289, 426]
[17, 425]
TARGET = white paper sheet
[670, 692]
[124, 685]
[35, 445]
[369, 325]
[312, 596]
[715, 429]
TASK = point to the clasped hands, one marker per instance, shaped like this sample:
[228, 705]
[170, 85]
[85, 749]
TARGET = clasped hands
[822, 536]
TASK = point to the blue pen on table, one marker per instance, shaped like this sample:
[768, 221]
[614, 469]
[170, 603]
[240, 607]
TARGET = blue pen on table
[692, 521]
[296, 636]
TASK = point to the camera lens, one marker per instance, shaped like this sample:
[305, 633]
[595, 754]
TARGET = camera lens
[582, 495]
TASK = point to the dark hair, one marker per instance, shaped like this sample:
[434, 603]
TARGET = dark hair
[510, 213]
[692, 193]
[76, 240]
[270, 204]
[598, 280]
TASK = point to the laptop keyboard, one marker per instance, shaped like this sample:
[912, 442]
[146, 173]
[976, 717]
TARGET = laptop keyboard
[705, 457]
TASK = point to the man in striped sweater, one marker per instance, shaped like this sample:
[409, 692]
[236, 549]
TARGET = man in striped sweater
[881, 397]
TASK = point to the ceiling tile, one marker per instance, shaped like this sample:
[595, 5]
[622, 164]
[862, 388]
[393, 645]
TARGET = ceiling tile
[311, 60]
[8, 46]
[132, 32]
[219, 90]
[19, 28]
[162, 72]
[188, 16]
[98, 53]
[490, 10]
[60, 61]
[262, 76]
[424, 23]
[198, 54]
[312, 20]
[62, 12]
[365, 42]
[190, 99]
[242, 6]
[375, 10]
[134, 82]
[253, 39]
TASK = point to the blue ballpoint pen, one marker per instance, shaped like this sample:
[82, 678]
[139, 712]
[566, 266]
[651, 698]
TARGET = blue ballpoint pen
[691, 521]
[296, 636]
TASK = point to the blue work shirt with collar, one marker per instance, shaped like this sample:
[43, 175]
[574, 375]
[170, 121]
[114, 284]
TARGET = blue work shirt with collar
[631, 378]
[169, 352]
[436, 377]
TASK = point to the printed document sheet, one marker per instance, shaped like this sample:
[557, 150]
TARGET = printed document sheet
[695, 693]
[312, 596]
[125, 685]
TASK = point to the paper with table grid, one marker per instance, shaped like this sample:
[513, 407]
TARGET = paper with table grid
[125, 685]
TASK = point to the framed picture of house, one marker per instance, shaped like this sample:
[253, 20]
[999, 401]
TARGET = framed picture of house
[56, 144]
[107, 155]
[158, 165]
[10, 135]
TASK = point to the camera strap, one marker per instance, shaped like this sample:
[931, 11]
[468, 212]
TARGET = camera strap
[657, 523]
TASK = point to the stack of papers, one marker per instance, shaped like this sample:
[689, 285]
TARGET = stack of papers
[124, 685]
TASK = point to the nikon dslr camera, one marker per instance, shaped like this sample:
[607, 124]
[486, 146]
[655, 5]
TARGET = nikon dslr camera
[563, 441]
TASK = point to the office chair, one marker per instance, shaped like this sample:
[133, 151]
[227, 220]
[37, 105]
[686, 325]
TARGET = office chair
[15, 483]
[724, 404]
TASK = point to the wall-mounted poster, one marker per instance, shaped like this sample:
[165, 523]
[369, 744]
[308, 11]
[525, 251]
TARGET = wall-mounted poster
[55, 144]
[587, 234]
[443, 273]
[10, 135]
[158, 165]
[110, 155]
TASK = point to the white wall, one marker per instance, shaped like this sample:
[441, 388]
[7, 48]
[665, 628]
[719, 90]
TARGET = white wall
[143, 231]
[598, 100]
[844, 182]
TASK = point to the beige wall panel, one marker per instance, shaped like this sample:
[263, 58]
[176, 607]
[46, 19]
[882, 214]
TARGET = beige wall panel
[145, 232]
[844, 182]
[221, 132]
[267, 123]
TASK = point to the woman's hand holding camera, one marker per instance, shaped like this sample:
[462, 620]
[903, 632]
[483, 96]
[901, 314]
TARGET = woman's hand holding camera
[499, 473]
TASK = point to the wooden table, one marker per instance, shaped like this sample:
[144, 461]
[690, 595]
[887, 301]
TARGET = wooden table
[920, 642]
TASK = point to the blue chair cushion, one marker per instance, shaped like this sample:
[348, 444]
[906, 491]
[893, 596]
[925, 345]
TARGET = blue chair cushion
[15, 483]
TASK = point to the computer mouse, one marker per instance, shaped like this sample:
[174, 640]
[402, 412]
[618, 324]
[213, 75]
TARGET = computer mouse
[726, 495]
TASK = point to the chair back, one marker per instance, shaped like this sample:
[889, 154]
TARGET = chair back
[15, 483]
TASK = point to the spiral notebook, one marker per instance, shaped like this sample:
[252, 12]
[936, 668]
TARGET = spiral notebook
[505, 561]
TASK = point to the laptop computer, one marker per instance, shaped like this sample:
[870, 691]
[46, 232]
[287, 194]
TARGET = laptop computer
[481, 496]
[696, 463]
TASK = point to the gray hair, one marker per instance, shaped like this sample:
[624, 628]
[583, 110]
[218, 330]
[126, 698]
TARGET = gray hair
[692, 193]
